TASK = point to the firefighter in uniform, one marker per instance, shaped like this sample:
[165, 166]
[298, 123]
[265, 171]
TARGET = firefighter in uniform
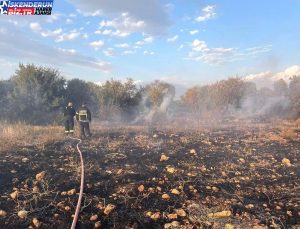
[83, 116]
[69, 114]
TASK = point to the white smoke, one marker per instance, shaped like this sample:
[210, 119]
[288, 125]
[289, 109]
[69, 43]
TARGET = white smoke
[150, 115]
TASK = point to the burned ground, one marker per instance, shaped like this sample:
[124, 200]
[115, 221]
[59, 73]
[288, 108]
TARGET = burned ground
[245, 173]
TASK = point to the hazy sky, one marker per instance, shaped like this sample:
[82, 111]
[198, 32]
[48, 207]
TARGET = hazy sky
[179, 41]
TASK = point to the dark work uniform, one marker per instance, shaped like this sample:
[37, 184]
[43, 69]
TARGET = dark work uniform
[69, 114]
[83, 115]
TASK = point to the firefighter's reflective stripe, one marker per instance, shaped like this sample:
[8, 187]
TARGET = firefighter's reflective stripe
[66, 131]
[82, 114]
[71, 131]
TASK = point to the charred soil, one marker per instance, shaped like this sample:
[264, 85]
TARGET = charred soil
[137, 178]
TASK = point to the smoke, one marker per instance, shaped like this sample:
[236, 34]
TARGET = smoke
[156, 113]
[263, 106]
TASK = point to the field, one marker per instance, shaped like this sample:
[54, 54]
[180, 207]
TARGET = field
[238, 174]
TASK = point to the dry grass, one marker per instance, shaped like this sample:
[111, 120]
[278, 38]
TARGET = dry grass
[275, 137]
[289, 133]
[13, 136]
[297, 122]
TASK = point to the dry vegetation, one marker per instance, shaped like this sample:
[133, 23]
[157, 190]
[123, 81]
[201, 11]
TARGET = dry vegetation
[19, 135]
[238, 175]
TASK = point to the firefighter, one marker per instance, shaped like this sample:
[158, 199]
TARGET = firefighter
[69, 114]
[83, 116]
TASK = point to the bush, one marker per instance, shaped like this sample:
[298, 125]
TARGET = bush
[37, 95]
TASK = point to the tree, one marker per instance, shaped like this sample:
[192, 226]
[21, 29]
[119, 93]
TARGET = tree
[230, 93]
[6, 88]
[38, 93]
[219, 97]
[280, 88]
[294, 94]
[157, 90]
[197, 99]
[78, 92]
[119, 100]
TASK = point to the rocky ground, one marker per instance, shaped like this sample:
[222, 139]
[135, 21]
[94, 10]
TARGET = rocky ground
[227, 177]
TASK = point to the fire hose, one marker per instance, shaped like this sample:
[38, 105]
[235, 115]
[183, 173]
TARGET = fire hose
[81, 185]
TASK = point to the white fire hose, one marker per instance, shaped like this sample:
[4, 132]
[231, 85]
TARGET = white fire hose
[81, 185]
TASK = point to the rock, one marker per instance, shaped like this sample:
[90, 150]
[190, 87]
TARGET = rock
[98, 224]
[36, 222]
[191, 187]
[203, 169]
[163, 158]
[94, 217]
[180, 212]
[22, 214]
[67, 208]
[155, 216]
[193, 151]
[25, 159]
[242, 160]
[175, 191]
[150, 189]
[89, 185]
[119, 171]
[14, 195]
[60, 205]
[171, 169]
[286, 162]
[100, 206]
[220, 214]
[228, 226]
[172, 216]
[149, 214]
[215, 189]
[249, 206]
[165, 196]
[3, 213]
[172, 225]
[109, 208]
[167, 226]
[35, 189]
[71, 192]
[141, 188]
[40, 176]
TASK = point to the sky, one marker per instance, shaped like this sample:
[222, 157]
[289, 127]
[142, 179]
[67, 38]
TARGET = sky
[183, 42]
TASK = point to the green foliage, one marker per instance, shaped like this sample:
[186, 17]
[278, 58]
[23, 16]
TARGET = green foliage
[37, 94]
[118, 99]
[157, 90]
[79, 91]
[6, 88]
